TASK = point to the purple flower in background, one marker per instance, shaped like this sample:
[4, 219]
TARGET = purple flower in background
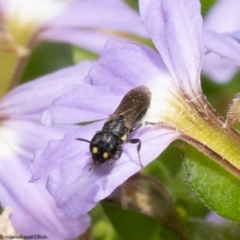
[90, 23]
[214, 218]
[34, 211]
[171, 74]
[223, 18]
[87, 23]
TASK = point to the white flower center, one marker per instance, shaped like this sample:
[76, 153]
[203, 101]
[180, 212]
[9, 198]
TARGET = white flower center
[9, 142]
[23, 18]
[32, 13]
[164, 95]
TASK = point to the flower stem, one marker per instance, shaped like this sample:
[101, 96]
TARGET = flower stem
[201, 126]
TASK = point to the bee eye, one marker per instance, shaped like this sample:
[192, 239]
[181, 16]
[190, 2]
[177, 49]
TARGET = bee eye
[105, 155]
[95, 150]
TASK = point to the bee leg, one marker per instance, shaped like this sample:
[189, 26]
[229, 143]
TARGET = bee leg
[119, 153]
[140, 125]
[92, 165]
[135, 127]
[150, 123]
[136, 140]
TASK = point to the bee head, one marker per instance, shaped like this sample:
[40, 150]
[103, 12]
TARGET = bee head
[99, 154]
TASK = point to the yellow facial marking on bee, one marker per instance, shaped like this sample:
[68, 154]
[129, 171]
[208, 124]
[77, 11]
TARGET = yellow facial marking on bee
[124, 137]
[105, 155]
[94, 150]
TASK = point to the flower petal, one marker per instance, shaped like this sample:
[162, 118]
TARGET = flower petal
[57, 151]
[175, 27]
[21, 133]
[81, 103]
[223, 45]
[35, 96]
[100, 95]
[90, 39]
[217, 15]
[133, 65]
[111, 20]
[26, 136]
[126, 63]
[219, 64]
[71, 21]
[108, 15]
[34, 210]
[214, 66]
[68, 161]
[218, 69]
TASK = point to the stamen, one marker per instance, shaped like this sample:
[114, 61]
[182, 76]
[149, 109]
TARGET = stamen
[8, 44]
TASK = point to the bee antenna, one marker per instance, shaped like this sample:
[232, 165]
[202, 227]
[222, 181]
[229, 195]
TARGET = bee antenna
[83, 140]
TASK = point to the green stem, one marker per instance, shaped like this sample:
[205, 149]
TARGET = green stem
[200, 125]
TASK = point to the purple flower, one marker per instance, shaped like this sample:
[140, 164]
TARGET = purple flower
[223, 18]
[21, 133]
[177, 104]
[85, 23]
[91, 23]
[214, 218]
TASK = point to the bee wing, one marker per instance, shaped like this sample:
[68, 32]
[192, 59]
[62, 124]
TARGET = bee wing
[133, 105]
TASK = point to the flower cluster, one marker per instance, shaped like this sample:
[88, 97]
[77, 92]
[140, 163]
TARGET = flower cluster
[177, 104]
[41, 120]
[24, 24]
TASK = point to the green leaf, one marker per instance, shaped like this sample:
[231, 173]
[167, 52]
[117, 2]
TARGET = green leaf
[102, 228]
[146, 195]
[131, 224]
[166, 166]
[47, 57]
[80, 54]
[206, 5]
[215, 186]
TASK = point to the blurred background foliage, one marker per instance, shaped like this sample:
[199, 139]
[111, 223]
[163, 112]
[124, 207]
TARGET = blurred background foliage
[186, 218]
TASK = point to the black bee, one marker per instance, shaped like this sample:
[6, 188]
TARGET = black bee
[107, 144]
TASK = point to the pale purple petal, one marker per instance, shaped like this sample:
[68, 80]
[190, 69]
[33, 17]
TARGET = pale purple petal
[89, 24]
[81, 103]
[104, 14]
[214, 218]
[235, 35]
[124, 66]
[35, 96]
[77, 190]
[91, 39]
[58, 151]
[121, 67]
[34, 210]
[175, 28]
[107, 83]
[30, 135]
[223, 45]
[3, 4]
[223, 17]
[218, 69]
[224, 53]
